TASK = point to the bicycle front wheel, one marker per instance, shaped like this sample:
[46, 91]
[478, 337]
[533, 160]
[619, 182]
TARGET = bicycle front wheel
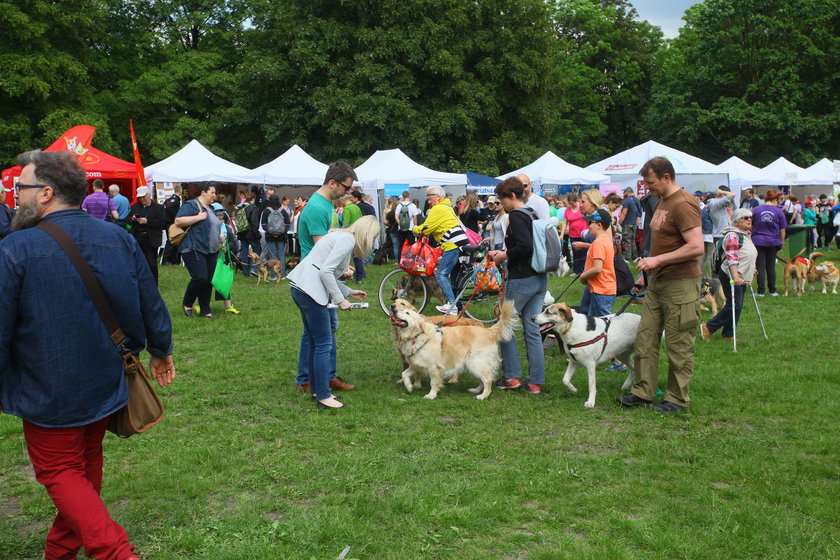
[481, 305]
[398, 284]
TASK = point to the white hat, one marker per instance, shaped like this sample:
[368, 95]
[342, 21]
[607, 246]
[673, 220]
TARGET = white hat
[142, 191]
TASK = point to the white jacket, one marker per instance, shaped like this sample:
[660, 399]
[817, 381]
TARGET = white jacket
[318, 274]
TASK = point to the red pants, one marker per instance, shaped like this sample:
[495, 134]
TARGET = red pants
[68, 462]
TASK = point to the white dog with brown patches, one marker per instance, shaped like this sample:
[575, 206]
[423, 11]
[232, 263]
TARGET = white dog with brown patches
[589, 341]
[443, 352]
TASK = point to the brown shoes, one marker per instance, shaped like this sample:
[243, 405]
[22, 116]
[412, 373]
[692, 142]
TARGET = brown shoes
[338, 384]
[704, 332]
[303, 388]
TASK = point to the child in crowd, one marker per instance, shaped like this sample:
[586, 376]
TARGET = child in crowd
[599, 271]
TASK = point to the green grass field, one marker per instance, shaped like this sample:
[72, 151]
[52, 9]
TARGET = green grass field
[245, 467]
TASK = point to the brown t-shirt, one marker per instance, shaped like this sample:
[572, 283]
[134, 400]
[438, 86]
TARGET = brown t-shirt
[674, 215]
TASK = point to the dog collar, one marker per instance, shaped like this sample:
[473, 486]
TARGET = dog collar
[567, 330]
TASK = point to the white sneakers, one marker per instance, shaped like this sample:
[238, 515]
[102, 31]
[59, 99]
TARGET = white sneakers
[448, 309]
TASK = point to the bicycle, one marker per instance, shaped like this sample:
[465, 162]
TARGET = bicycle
[473, 297]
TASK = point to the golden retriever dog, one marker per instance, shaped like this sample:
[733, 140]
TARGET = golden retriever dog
[264, 266]
[441, 353]
[442, 320]
[825, 273]
[797, 269]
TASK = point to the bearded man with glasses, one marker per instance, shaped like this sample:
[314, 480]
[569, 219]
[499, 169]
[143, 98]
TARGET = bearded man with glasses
[59, 369]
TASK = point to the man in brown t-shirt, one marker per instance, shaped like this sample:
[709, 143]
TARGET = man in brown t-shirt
[673, 288]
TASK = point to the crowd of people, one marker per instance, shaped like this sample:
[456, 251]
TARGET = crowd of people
[45, 364]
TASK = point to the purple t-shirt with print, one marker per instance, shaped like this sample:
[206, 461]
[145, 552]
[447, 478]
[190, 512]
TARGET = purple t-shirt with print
[768, 220]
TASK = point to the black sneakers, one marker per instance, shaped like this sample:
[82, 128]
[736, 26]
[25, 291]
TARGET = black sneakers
[631, 400]
[668, 406]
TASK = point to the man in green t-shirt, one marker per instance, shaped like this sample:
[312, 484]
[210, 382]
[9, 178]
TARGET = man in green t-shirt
[314, 223]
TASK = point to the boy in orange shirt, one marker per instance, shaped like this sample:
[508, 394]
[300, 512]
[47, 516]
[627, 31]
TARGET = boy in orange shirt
[599, 271]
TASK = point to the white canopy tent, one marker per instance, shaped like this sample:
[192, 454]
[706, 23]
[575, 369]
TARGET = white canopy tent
[194, 163]
[782, 173]
[395, 169]
[693, 173]
[821, 173]
[742, 175]
[293, 167]
[551, 169]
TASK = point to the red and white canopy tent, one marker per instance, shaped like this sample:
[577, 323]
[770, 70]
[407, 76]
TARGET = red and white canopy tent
[97, 164]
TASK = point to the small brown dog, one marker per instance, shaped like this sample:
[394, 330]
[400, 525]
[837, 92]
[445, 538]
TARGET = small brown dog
[711, 292]
[264, 266]
[827, 274]
[797, 269]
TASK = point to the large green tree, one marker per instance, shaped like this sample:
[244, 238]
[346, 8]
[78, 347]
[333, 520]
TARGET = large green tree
[753, 78]
[457, 84]
[45, 58]
[607, 58]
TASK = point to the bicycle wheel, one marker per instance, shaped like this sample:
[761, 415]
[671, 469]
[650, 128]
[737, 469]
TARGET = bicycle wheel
[481, 305]
[398, 284]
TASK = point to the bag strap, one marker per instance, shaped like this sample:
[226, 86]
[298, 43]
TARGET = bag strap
[91, 283]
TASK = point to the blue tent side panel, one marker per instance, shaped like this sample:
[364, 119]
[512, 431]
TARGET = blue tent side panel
[479, 180]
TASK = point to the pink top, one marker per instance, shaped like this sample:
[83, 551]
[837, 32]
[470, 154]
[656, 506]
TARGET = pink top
[577, 225]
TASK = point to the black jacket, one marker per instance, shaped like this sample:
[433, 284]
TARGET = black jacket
[153, 228]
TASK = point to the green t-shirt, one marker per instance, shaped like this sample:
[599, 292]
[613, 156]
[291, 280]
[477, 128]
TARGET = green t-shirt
[351, 213]
[314, 220]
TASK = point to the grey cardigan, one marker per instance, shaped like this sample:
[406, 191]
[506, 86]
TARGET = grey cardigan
[318, 274]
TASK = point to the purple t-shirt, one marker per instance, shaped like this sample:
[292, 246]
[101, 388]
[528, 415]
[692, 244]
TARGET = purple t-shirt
[98, 205]
[768, 220]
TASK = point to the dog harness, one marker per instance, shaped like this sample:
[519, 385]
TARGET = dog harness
[414, 341]
[603, 336]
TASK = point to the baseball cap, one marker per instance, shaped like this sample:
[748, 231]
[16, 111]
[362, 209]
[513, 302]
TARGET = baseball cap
[599, 215]
[217, 207]
[491, 200]
[142, 191]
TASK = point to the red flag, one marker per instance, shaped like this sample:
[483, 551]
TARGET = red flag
[141, 175]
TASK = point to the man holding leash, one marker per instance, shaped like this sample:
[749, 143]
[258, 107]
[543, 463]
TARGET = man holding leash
[672, 272]
[59, 369]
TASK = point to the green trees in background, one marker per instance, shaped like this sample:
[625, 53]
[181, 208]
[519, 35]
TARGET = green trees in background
[755, 78]
[462, 84]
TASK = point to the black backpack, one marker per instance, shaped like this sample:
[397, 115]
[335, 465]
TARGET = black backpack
[624, 280]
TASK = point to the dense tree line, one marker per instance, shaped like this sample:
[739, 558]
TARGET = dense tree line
[484, 85]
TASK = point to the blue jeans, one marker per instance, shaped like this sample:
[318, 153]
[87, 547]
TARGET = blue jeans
[724, 317]
[595, 305]
[243, 254]
[359, 275]
[527, 295]
[276, 249]
[396, 245]
[447, 263]
[319, 340]
[304, 366]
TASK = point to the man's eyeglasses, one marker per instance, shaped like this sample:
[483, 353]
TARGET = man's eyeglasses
[346, 187]
[19, 186]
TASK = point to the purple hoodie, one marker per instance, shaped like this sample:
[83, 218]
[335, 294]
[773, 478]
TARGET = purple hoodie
[768, 220]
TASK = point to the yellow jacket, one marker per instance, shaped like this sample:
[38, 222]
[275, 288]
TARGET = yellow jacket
[441, 219]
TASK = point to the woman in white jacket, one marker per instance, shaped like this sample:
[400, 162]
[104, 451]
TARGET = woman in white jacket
[315, 283]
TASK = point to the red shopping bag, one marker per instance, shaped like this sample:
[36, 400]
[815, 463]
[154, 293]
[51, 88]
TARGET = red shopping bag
[419, 258]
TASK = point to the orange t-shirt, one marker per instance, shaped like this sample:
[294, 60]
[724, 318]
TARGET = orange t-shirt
[602, 283]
